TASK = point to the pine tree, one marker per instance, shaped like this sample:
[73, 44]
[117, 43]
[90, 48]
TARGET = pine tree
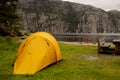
[9, 18]
[8, 15]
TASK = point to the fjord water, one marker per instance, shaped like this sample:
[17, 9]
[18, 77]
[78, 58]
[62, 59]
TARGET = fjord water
[86, 37]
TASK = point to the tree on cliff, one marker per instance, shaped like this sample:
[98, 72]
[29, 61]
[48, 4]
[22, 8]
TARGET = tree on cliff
[8, 16]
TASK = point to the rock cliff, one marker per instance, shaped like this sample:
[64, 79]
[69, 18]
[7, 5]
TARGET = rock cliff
[64, 17]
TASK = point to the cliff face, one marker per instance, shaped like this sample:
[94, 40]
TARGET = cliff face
[65, 17]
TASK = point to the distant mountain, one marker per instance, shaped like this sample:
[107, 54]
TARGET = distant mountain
[65, 17]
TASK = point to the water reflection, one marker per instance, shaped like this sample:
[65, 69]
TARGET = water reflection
[93, 38]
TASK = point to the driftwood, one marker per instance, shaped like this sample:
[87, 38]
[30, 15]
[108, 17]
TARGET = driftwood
[104, 47]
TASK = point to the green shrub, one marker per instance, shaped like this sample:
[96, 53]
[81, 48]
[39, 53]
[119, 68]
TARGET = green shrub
[8, 39]
[2, 39]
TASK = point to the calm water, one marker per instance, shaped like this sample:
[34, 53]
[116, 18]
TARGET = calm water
[85, 37]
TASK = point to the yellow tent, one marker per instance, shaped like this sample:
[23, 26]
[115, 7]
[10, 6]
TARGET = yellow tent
[36, 52]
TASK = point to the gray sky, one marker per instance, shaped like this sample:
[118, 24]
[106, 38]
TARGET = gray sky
[104, 4]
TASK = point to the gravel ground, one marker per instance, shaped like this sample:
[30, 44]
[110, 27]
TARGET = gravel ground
[79, 43]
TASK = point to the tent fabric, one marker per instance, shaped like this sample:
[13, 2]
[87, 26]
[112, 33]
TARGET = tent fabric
[53, 41]
[36, 52]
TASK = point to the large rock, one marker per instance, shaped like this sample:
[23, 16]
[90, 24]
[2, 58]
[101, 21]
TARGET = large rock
[65, 17]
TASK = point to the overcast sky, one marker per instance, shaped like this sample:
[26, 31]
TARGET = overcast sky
[104, 4]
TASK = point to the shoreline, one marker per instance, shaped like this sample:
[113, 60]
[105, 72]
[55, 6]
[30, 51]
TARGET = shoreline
[79, 43]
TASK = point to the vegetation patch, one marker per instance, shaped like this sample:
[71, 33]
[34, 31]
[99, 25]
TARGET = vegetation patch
[74, 66]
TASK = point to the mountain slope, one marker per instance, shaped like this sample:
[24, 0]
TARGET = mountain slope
[65, 17]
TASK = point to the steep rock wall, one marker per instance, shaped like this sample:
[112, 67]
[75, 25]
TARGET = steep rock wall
[65, 17]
